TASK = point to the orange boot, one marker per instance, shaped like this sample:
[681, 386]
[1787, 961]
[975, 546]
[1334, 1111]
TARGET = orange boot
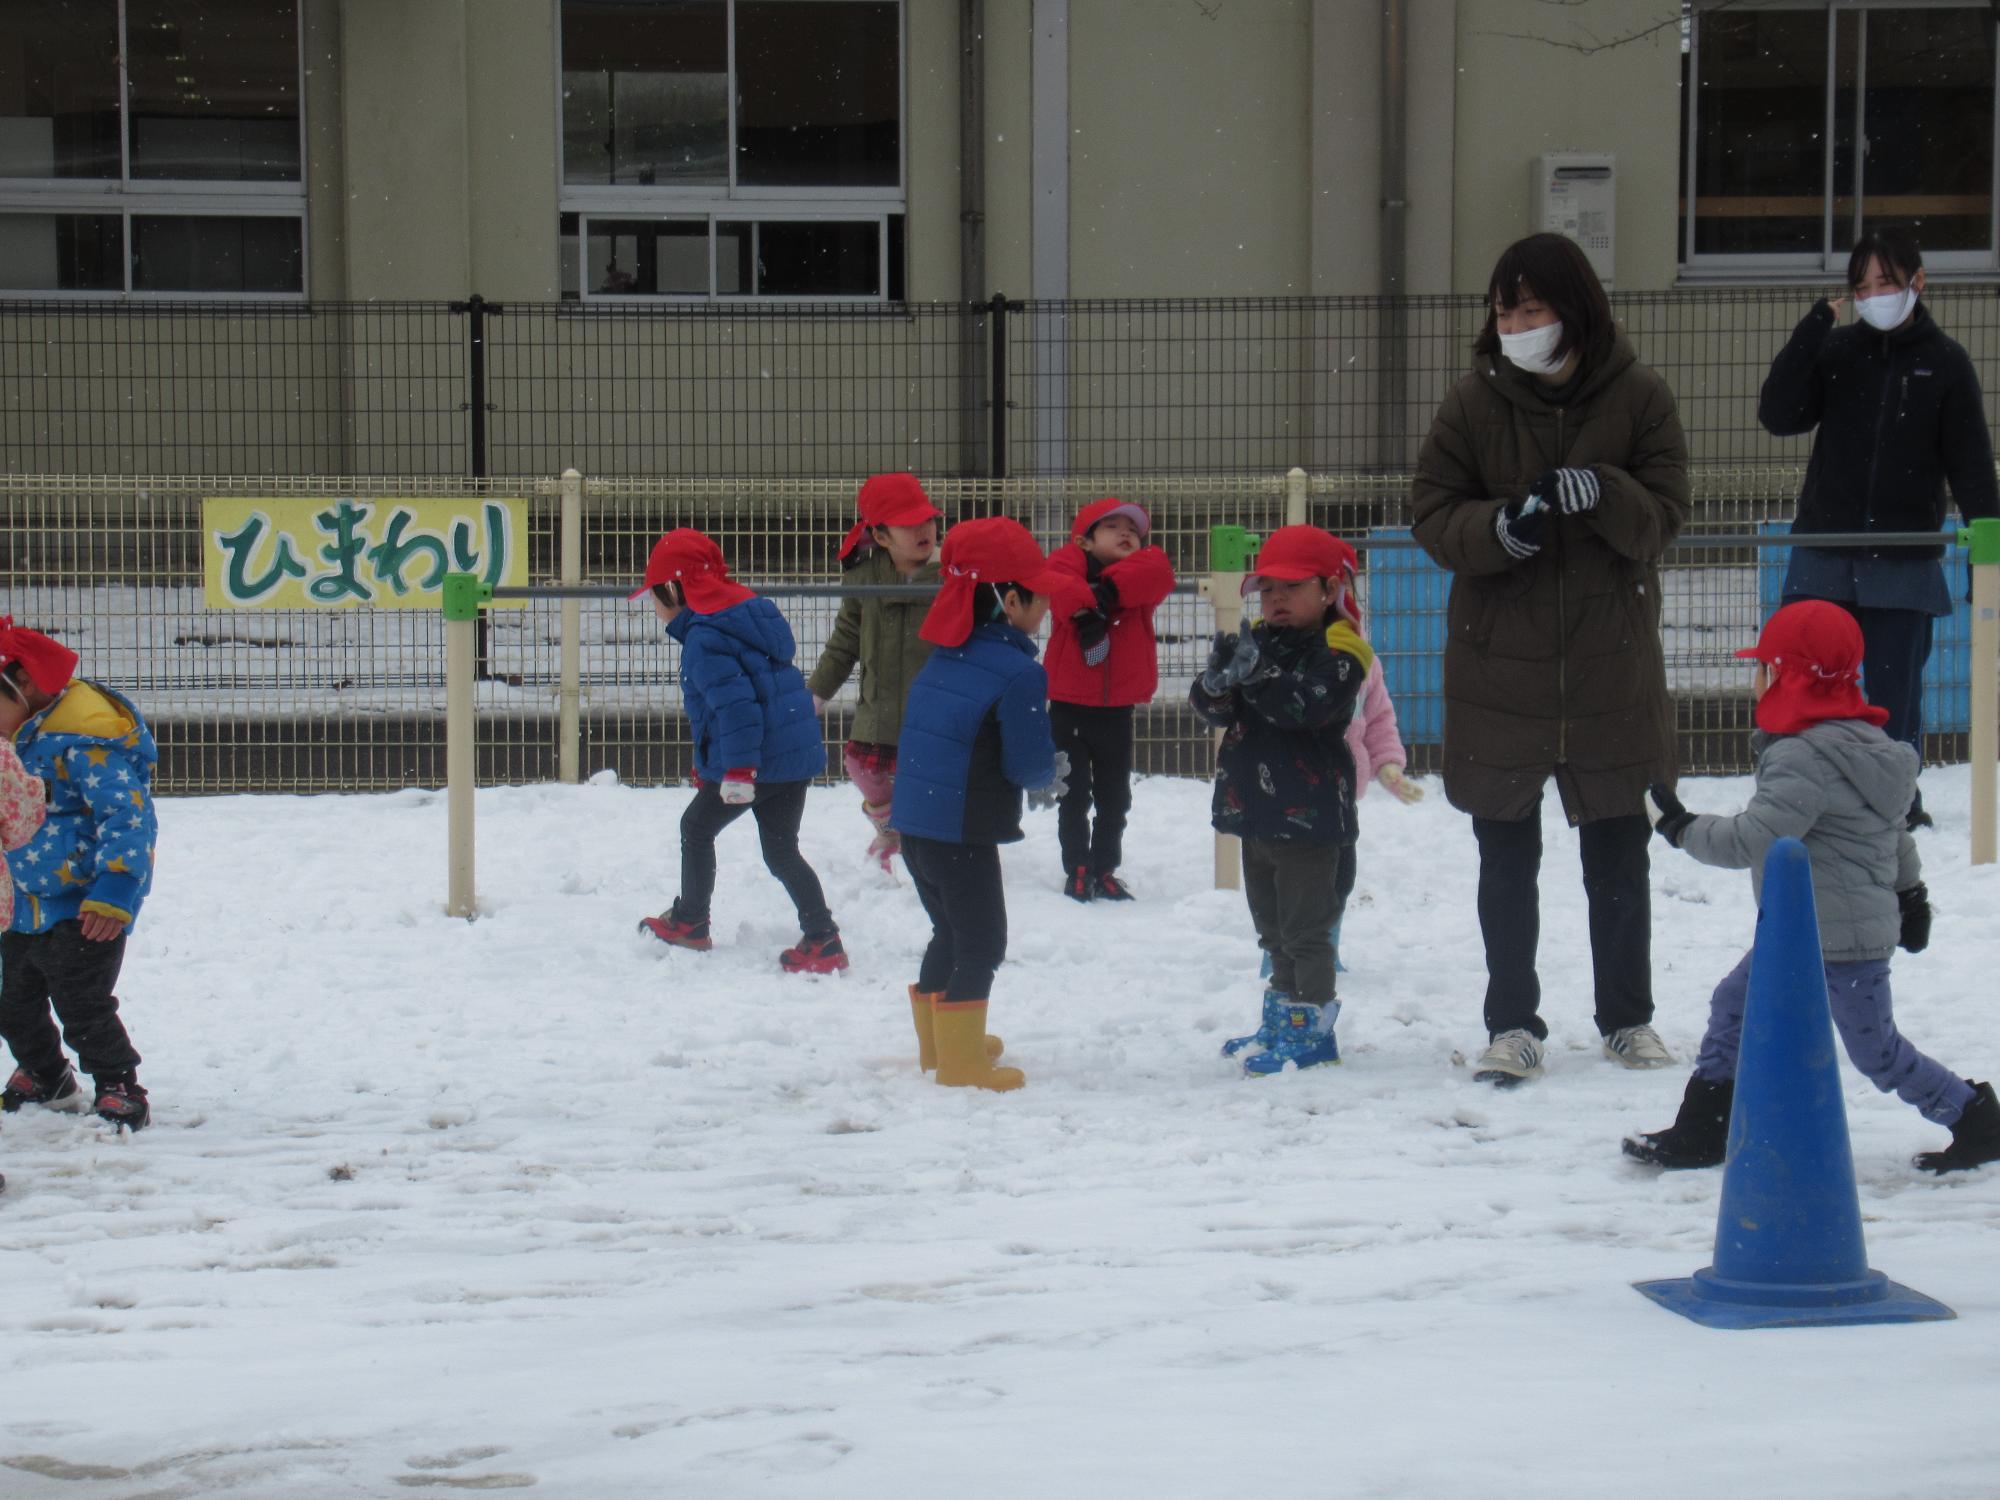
[963, 1060]
[920, 1013]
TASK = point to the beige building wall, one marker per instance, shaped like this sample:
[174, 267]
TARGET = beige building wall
[1529, 82]
[511, 149]
[930, 150]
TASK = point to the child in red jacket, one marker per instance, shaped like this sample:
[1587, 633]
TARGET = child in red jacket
[1101, 663]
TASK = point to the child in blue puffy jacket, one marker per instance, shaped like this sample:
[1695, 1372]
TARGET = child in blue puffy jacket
[756, 742]
[78, 883]
[975, 733]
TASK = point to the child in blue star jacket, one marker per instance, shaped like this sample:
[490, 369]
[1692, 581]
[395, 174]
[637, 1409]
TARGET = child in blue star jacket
[78, 883]
[975, 733]
[757, 743]
[1282, 692]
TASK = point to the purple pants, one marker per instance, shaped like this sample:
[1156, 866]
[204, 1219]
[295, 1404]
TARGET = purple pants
[1859, 996]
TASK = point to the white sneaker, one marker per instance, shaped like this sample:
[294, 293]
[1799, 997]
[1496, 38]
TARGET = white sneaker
[1510, 1058]
[1637, 1047]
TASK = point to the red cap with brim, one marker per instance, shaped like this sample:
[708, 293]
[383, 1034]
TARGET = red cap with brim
[994, 549]
[1301, 552]
[1104, 510]
[1814, 652]
[49, 663]
[888, 500]
[687, 557]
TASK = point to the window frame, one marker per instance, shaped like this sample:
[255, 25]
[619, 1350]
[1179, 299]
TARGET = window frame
[1808, 265]
[733, 201]
[156, 197]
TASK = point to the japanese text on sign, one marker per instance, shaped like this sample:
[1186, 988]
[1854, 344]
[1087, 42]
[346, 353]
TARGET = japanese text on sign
[335, 553]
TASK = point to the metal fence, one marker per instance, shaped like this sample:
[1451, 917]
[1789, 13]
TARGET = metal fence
[353, 699]
[757, 391]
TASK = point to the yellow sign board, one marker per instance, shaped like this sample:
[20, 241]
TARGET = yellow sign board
[341, 552]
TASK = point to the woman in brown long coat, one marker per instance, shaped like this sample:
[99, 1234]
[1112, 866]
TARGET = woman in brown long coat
[1553, 479]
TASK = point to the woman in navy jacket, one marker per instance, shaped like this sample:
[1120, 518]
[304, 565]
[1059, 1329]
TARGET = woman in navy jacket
[756, 742]
[1896, 414]
[975, 733]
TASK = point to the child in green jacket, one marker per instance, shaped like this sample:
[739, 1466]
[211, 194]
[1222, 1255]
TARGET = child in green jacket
[894, 542]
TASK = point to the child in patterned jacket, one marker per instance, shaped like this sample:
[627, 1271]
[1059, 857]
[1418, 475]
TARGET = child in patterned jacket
[23, 806]
[78, 883]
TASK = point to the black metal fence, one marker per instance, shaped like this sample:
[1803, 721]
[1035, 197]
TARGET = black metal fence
[475, 388]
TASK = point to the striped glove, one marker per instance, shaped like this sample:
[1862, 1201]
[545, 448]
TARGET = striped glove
[1571, 491]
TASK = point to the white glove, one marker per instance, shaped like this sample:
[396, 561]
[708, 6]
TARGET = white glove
[738, 790]
[1403, 789]
[1059, 787]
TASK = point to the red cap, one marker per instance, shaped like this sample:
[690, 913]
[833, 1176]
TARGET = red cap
[50, 664]
[1814, 652]
[1103, 510]
[687, 557]
[993, 549]
[1302, 552]
[888, 500]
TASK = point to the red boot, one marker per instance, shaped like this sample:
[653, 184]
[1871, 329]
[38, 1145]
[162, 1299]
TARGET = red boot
[821, 955]
[671, 930]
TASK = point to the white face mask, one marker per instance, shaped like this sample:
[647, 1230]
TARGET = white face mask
[1888, 310]
[1534, 351]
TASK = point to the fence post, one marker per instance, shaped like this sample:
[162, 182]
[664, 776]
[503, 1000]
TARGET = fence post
[475, 309]
[1229, 552]
[1295, 497]
[569, 694]
[1982, 541]
[996, 329]
[463, 594]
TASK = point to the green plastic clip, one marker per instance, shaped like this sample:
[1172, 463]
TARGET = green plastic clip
[1230, 549]
[1981, 541]
[463, 594]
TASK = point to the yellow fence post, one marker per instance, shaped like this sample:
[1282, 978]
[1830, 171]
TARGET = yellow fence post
[1982, 539]
[569, 691]
[463, 594]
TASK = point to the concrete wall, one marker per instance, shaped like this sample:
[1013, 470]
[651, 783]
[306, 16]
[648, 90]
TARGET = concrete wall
[1603, 76]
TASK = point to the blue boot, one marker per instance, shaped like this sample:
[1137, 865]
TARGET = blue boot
[1305, 1039]
[1267, 1028]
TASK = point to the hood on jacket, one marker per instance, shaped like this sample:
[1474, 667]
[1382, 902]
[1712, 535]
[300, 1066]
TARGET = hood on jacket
[1518, 386]
[755, 623]
[1881, 770]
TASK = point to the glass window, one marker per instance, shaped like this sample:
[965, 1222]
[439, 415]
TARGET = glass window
[62, 253]
[732, 148]
[59, 89]
[1892, 105]
[184, 117]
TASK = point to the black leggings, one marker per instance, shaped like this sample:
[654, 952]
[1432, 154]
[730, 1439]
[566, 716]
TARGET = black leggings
[1099, 744]
[75, 974]
[778, 809]
[959, 885]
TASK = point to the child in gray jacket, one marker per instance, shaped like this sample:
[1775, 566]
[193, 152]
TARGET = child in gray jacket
[1828, 776]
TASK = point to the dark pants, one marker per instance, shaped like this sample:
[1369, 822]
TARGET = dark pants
[64, 968]
[778, 809]
[1099, 744]
[1895, 648]
[1294, 893]
[1864, 1015]
[1616, 885]
[959, 885]
[1343, 882]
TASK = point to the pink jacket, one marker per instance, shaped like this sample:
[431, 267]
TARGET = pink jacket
[23, 805]
[1371, 733]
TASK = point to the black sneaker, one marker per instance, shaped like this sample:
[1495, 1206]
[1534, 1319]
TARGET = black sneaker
[1079, 886]
[59, 1092]
[1917, 818]
[123, 1102]
[1111, 888]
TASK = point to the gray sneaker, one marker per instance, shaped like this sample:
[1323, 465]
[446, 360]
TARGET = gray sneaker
[1510, 1058]
[1637, 1047]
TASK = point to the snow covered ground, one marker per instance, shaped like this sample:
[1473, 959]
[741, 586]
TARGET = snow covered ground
[530, 1202]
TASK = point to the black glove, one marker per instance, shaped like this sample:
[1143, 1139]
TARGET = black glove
[1106, 593]
[1915, 905]
[1230, 660]
[1571, 491]
[1519, 525]
[1670, 819]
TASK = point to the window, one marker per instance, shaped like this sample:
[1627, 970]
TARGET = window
[732, 148]
[150, 147]
[1808, 124]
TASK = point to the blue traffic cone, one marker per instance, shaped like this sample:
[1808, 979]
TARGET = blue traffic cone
[1788, 1246]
